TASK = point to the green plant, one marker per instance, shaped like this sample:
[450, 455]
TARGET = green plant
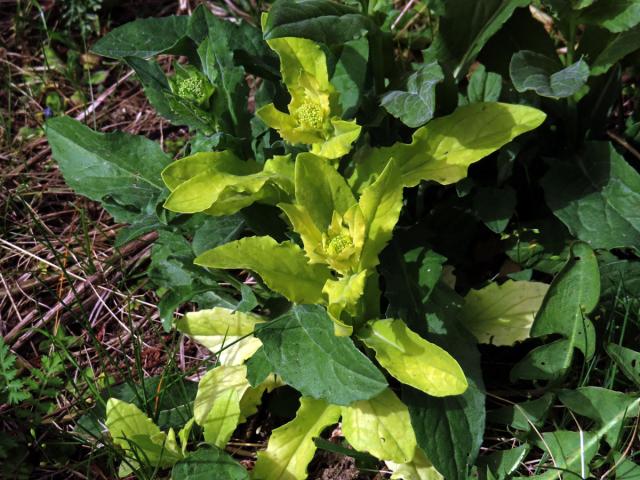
[356, 209]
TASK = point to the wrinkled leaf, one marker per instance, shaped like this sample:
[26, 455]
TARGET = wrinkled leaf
[303, 350]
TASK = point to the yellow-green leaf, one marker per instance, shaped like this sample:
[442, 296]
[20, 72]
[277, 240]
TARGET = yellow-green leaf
[301, 61]
[321, 190]
[213, 387]
[135, 433]
[380, 426]
[344, 304]
[380, 204]
[420, 468]
[282, 266]
[338, 144]
[221, 328]
[503, 314]
[291, 447]
[444, 148]
[223, 418]
[219, 183]
[412, 359]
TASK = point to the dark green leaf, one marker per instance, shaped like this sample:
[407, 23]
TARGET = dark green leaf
[611, 48]
[243, 39]
[614, 15]
[484, 86]
[573, 294]
[502, 463]
[495, 206]
[120, 170]
[627, 360]
[322, 21]
[258, 368]
[523, 416]
[545, 76]
[143, 38]
[415, 106]
[216, 231]
[466, 27]
[350, 74]
[607, 408]
[175, 109]
[572, 452]
[596, 196]
[230, 101]
[209, 464]
[303, 349]
[448, 429]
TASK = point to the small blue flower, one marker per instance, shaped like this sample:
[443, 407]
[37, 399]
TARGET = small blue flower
[48, 112]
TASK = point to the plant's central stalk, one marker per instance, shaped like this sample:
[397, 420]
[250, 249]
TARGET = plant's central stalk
[338, 244]
[309, 115]
[191, 87]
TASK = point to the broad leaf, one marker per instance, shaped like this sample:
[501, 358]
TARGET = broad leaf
[448, 429]
[413, 360]
[135, 433]
[545, 76]
[614, 15]
[627, 360]
[380, 426]
[303, 350]
[229, 103]
[596, 196]
[484, 86]
[143, 38]
[613, 48]
[282, 266]
[495, 206]
[350, 74]
[258, 368]
[444, 148]
[291, 446]
[213, 388]
[503, 314]
[177, 110]
[465, 28]
[120, 170]
[322, 21]
[499, 465]
[209, 464]
[222, 419]
[223, 329]
[573, 294]
[380, 204]
[419, 468]
[525, 415]
[321, 190]
[570, 452]
[607, 408]
[415, 106]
